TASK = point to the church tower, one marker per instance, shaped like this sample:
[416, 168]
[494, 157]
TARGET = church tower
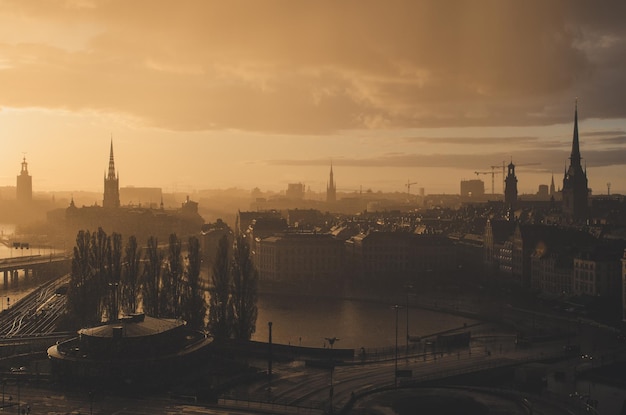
[331, 188]
[510, 191]
[24, 186]
[111, 185]
[575, 192]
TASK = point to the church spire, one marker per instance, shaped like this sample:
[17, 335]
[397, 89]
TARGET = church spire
[331, 187]
[575, 156]
[111, 174]
[111, 184]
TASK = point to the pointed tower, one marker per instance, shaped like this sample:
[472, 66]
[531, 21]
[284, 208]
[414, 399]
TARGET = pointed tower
[552, 188]
[111, 184]
[510, 190]
[24, 186]
[575, 191]
[331, 188]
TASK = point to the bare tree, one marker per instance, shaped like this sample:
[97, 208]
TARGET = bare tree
[172, 279]
[151, 279]
[219, 291]
[130, 276]
[244, 291]
[193, 305]
[82, 301]
[113, 275]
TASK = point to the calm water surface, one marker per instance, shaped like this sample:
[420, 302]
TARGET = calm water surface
[307, 321]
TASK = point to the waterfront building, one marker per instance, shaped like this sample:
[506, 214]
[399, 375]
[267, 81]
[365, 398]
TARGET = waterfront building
[300, 257]
[399, 256]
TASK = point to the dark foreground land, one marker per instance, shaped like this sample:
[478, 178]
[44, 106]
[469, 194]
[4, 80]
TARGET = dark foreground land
[538, 320]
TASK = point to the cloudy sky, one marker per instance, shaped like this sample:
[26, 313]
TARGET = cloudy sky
[214, 94]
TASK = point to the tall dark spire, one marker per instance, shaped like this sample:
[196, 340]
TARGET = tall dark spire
[331, 188]
[575, 191]
[111, 184]
[575, 156]
[111, 174]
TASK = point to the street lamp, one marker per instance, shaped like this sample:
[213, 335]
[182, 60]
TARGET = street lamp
[395, 373]
[331, 341]
[408, 288]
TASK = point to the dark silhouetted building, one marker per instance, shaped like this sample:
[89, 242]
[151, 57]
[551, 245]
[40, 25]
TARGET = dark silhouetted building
[472, 188]
[510, 190]
[111, 185]
[331, 188]
[133, 349]
[24, 189]
[575, 191]
[295, 191]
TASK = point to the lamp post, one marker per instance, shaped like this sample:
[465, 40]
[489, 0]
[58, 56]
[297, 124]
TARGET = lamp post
[395, 373]
[408, 288]
[331, 341]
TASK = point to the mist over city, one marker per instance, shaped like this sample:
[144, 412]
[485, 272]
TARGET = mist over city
[273, 207]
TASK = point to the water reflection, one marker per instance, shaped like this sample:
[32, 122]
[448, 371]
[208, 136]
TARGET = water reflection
[307, 321]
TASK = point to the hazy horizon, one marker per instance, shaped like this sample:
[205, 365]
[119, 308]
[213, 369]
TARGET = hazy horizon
[218, 95]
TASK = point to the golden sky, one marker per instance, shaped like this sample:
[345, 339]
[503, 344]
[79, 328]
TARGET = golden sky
[214, 94]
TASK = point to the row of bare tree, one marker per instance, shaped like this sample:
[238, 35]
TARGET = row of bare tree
[108, 280]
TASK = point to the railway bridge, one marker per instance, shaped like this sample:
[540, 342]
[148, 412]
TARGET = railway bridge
[33, 266]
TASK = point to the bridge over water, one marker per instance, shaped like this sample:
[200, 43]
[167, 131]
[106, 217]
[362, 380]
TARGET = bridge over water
[32, 266]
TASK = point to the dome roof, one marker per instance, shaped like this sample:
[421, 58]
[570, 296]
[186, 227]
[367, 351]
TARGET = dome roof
[133, 327]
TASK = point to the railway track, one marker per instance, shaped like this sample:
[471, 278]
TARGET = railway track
[37, 313]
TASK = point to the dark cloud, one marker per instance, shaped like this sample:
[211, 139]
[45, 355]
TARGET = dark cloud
[315, 67]
[616, 140]
[545, 161]
[472, 140]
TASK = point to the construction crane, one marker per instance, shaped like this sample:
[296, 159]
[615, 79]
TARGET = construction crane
[504, 172]
[493, 174]
[408, 186]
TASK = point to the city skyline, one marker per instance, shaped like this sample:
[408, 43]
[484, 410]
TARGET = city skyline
[219, 95]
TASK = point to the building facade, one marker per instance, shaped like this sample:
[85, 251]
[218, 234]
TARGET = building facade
[300, 257]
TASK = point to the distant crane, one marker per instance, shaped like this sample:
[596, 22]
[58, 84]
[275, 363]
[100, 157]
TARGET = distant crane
[408, 186]
[493, 173]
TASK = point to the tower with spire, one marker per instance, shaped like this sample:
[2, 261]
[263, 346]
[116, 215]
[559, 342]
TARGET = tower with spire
[331, 188]
[575, 191]
[510, 190]
[111, 184]
[24, 188]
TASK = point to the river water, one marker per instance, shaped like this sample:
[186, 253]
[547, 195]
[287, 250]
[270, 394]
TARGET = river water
[307, 321]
